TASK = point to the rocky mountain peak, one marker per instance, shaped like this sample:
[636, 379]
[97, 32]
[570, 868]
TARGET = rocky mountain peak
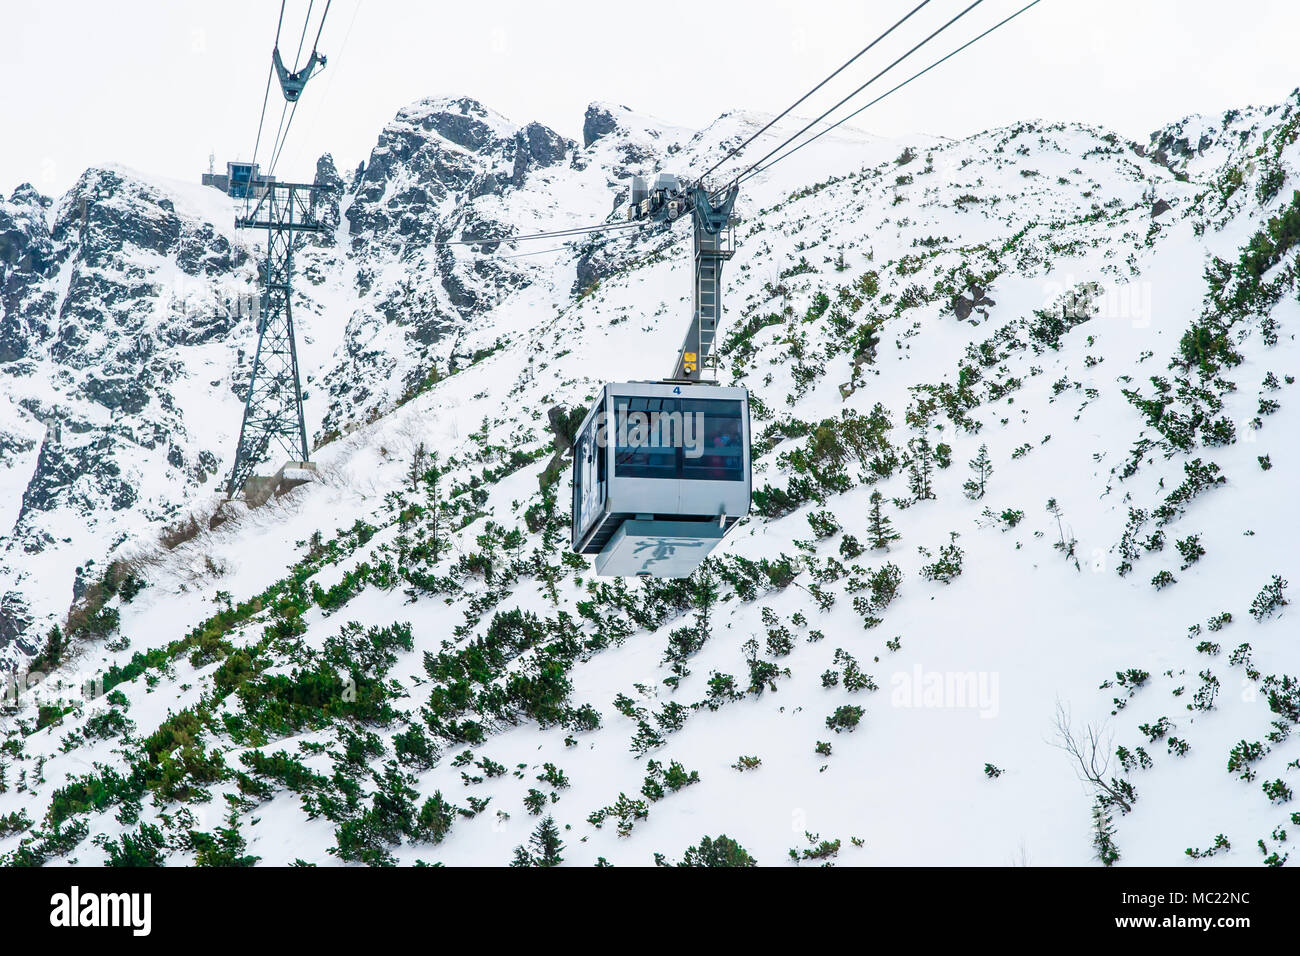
[461, 120]
[25, 194]
[599, 121]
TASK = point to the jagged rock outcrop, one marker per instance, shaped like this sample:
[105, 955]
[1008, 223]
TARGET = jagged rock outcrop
[108, 297]
[597, 122]
[434, 156]
[329, 198]
[1201, 143]
[26, 257]
[443, 169]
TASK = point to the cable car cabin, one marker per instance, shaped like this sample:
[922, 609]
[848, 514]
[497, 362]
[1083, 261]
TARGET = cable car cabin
[660, 475]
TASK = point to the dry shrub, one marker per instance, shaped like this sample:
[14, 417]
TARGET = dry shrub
[205, 517]
[175, 535]
[84, 613]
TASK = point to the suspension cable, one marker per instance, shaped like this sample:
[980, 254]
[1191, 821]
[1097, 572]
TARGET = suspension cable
[761, 165]
[306, 20]
[284, 110]
[276, 158]
[575, 231]
[266, 97]
[915, 76]
[329, 84]
[796, 103]
[316, 42]
[278, 150]
[900, 59]
[606, 241]
[786, 142]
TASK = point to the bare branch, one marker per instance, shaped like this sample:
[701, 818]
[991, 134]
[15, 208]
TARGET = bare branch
[1090, 749]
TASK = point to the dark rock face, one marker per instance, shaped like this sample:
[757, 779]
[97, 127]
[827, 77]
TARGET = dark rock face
[202, 251]
[594, 264]
[103, 226]
[26, 257]
[328, 197]
[597, 122]
[631, 156]
[13, 445]
[105, 214]
[415, 147]
[409, 214]
[978, 301]
[57, 479]
[537, 146]
[15, 618]
[124, 394]
[94, 293]
[1181, 144]
[417, 192]
[196, 328]
[462, 121]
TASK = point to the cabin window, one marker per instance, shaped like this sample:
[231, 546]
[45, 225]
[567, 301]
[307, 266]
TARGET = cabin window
[718, 450]
[588, 474]
[580, 452]
[644, 431]
[698, 439]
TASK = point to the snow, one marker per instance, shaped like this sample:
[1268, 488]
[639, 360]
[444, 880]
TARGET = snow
[1021, 622]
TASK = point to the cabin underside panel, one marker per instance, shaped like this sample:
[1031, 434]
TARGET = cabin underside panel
[661, 549]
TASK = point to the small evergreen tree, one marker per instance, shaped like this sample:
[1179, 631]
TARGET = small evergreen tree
[416, 471]
[982, 468]
[51, 654]
[921, 468]
[435, 504]
[226, 848]
[703, 588]
[849, 547]
[1270, 599]
[723, 851]
[546, 843]
[523, 858]
[1103, 835]
[881, 529]
[947, 566]
[1191, 550]
[146, 846]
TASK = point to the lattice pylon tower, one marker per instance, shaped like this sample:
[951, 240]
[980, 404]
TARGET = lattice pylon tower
[273, 418]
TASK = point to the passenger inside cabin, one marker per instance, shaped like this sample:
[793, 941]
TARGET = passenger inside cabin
[726, 445]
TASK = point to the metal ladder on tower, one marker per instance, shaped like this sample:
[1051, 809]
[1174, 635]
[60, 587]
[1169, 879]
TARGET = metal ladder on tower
[714, 244]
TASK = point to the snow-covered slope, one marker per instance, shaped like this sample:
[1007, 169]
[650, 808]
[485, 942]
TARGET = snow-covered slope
[400, 662]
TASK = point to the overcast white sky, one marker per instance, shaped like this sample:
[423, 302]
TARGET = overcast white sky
[158, 85]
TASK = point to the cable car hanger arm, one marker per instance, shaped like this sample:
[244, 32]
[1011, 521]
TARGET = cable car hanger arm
[292, 84]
